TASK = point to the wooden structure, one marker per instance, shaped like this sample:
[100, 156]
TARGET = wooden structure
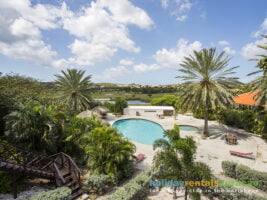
[59, 168]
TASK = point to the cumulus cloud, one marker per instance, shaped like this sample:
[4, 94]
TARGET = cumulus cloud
[228, 50]
[20, 31]
[171, 58]
[223, 43]
[104, 24]
[250, 50]
[143, 68]
[113, 73]
[99, 29]
[126, 62]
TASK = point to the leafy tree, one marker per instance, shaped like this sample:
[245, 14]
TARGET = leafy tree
[120, 104]
[74, 88]
[260, 83]
[167, 100]
[176, 157]
[109, 153]
[205, 82]
[35, 127]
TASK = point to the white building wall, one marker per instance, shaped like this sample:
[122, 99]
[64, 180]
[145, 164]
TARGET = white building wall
[142, 112]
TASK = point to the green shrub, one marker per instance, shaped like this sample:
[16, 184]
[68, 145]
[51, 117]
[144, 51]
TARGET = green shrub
[6, 182]
[245, 174]
[225, 193]
[229, 168]
[62, 193]
[138, 188]
[199, 114]
[99, 184]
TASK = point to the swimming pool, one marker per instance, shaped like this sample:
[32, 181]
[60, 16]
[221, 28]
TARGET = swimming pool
[139, 130]
[188, 128]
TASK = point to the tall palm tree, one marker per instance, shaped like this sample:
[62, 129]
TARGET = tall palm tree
[205, 82]
[260, 83]
[176, 156]
[74, 88]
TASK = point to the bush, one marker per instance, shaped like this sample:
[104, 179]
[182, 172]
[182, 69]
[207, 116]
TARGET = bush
[245, 174]
[225, 193]
[138, 188]
[199, 114]
[6, 182]
[229, 168]
[58, 194]
[99, 184]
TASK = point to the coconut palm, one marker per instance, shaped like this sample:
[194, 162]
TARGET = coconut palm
[176, 157]
[260, 83]
[109, 153]
[74, 88]
[206, 82]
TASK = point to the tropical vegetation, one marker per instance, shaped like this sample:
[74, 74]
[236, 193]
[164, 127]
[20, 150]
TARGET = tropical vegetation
[206, 82]
[260, 83]
[74, 88]
[176, 157]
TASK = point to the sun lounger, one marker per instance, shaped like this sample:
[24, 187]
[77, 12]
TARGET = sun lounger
[244, 155]
[140, 157]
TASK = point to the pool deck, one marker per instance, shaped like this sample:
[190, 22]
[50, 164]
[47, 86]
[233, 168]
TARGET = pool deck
[212, 150]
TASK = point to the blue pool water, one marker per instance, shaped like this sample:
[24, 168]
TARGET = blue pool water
[188, 128]
[139, 130]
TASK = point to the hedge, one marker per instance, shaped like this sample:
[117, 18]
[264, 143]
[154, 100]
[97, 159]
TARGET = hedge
[229, 168]
[99, 184]
[245, 174]
[225, 193]
[58, 194]
[138, 188]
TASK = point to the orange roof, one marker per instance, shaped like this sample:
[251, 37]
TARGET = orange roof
[246, 98]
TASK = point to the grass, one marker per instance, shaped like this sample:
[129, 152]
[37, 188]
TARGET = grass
[129, 96]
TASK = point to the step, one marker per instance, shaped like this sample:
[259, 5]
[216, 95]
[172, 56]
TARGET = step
[76, 195]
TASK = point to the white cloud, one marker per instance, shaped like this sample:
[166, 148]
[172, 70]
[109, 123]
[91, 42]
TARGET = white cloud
[113, 73]
[126, 61]
[87, 54]
[143, 68]
[164, 3]
[181, 18]
[20, 31]
[223, 43]
[262, 30]
[178, 8]
[104, 23]
[100, 30]
[228, 50]
[250, 50]
[171, 58]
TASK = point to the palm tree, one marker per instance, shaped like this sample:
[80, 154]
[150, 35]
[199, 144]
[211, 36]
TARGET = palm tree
[74, 88]
[109, 153]
[260, 83]
[176, 157]
[205, 82]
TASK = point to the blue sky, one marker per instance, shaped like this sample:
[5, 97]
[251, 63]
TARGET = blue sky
[126, 41]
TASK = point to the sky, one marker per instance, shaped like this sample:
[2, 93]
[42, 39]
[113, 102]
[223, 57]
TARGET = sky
[127, 41]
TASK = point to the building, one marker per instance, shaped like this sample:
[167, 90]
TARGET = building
[149, 111]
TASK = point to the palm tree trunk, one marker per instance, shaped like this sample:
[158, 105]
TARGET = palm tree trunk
[206, 131]
[186, 193]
